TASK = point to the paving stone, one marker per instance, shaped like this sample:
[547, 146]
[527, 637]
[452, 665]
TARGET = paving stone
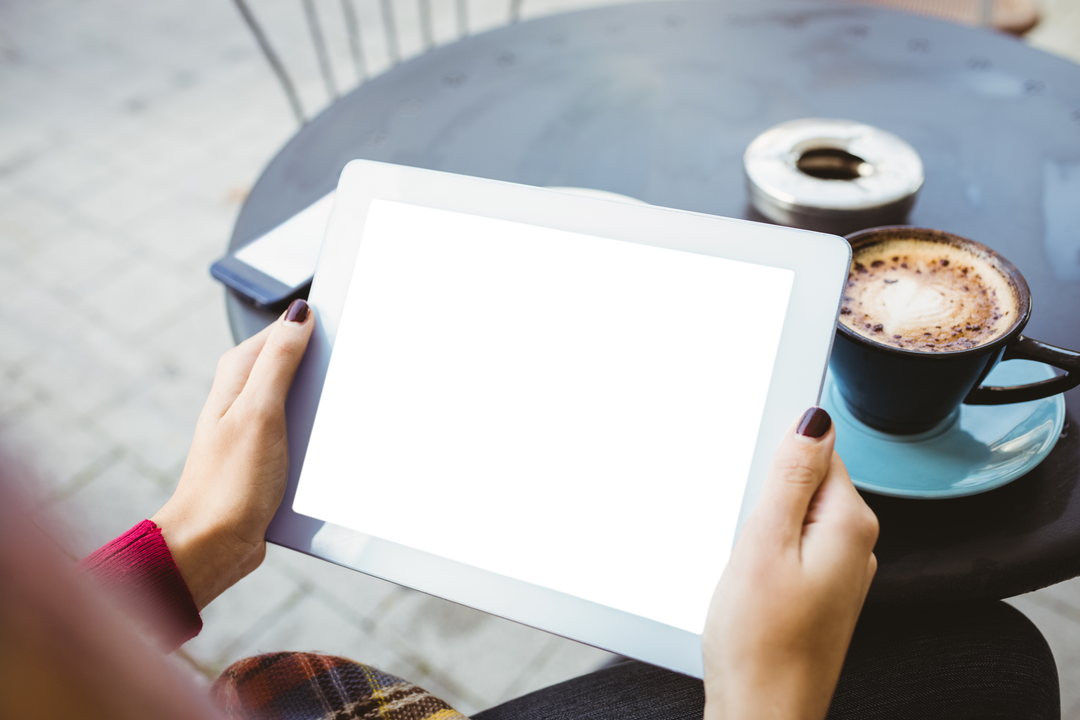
[19, 343]
[57, 447]
[75, 261]
[184, 236]
[1063, 598]
[154, 153]
[89, 368]
[313, 626]
[359, 597]
[384, 605]
[22, 141]
[157, 423]
[8, 189]
[114, 203]
[1062, 633]
[539, 8]
[196, 276]
[195, 340]
[247, 608]
[1059, 30]
[26, 221]
[70, 174]
[102, 509]
[227, 97]
[42, 314]
[17, 395]
[251, 141]
[560, 660]
[142, 293]
[482, 654]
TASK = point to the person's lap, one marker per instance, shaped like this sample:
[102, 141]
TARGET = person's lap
[974, 661]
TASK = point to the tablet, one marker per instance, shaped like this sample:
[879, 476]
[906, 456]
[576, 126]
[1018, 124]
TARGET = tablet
[552, 408]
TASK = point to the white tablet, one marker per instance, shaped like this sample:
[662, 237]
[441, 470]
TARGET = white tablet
[556, 409]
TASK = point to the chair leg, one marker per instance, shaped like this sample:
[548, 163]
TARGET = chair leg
[319, 42]
[352, 27]
[390, 29]
[272, 58]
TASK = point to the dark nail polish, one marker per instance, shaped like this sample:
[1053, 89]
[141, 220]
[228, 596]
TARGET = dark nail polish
[297, 312]
[815, 423]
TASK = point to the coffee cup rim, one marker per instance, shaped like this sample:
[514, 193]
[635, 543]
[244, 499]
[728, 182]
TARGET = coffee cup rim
[1011, 273]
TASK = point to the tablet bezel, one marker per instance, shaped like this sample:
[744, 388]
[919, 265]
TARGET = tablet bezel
[820, 263]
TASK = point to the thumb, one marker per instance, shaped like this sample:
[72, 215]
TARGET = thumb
[799, 466]
[274, 368]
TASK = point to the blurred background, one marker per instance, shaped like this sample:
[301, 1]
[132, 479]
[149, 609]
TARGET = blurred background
[130, 134]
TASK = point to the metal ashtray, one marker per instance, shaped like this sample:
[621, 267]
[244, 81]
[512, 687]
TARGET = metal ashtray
[834, 176]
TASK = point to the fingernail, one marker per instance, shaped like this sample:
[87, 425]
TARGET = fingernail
[297, 312]
[815, 423]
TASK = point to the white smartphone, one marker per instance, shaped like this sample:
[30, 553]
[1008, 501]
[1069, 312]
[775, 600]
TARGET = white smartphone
[277, 267]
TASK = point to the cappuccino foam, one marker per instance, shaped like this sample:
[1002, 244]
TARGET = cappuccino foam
[926, 296]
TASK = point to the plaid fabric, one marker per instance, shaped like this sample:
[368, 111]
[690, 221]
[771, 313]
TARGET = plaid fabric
[309, 686]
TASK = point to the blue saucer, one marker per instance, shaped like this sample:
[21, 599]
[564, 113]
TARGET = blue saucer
[979, 448]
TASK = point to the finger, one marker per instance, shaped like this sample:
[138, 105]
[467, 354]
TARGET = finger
[833, 497]
[842, 529]
[272, 374]
[232, 372]
[862, 517]
[799, 466]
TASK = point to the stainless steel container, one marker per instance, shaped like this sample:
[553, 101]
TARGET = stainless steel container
[835, 176]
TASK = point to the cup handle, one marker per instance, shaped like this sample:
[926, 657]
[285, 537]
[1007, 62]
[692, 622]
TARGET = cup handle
[1024, 348]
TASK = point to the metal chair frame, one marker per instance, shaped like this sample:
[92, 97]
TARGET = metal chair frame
[352, 29]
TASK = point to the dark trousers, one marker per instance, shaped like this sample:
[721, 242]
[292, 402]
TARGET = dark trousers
[974, 662]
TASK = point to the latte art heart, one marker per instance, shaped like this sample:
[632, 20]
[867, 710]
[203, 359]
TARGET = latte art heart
[926, 296]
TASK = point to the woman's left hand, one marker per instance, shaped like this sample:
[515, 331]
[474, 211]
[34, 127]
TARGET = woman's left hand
[785, 608]
[235, 474]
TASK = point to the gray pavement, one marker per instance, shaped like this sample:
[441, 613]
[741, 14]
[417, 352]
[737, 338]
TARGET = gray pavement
[130, 133]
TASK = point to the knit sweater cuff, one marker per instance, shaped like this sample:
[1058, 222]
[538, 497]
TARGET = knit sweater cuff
[139, 565]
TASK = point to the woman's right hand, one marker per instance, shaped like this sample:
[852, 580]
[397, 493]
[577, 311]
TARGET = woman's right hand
[785, 608]
[234, 478]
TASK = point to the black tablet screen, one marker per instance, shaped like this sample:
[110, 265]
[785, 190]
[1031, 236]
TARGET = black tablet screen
[574, 411]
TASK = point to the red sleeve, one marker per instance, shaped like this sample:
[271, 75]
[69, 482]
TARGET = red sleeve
[139, 565]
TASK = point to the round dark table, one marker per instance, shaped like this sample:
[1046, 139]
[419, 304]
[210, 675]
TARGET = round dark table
[659, 101]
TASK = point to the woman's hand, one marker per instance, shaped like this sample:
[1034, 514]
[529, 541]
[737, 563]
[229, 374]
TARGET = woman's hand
[235, 474]
[784, 611]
